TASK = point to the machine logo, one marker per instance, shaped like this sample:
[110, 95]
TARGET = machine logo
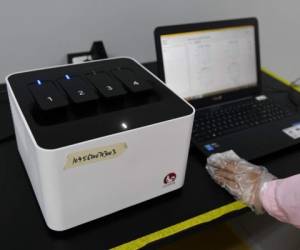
[170, 178]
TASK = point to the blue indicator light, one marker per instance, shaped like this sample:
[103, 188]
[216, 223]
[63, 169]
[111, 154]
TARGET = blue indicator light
[67, 77]
[39, 82]
[209, 147]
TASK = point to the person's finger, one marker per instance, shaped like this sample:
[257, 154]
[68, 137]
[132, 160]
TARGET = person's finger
[228, 164]
[228, 170]
[234, 189]
[230, 186]
[220, 180]
[219, 158]
[211, 170]
[231, 167]
[215, 160]
[225, 174]
[243, 164]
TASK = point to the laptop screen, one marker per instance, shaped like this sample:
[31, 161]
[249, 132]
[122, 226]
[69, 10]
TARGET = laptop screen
[204, 63]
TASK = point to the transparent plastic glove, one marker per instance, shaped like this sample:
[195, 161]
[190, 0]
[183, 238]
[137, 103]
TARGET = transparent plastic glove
[240, 178]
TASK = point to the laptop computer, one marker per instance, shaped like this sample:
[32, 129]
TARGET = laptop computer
[216, 67]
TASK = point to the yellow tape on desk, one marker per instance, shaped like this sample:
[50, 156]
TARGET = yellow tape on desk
[200, 219]
[280, 79]
[277, 77]
[168, 231]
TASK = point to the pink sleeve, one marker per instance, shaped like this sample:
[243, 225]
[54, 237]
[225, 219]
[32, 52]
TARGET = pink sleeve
[281, 199]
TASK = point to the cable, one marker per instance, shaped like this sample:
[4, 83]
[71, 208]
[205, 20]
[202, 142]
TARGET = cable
[3, 95]
[295, 82]
[7, 138]
[4, 98]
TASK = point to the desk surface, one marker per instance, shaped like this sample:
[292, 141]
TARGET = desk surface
[23, 227]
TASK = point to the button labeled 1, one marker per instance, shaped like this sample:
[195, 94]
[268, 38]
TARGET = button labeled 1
[47, 95]
[78, 90]
[131, 81]
[107, 86]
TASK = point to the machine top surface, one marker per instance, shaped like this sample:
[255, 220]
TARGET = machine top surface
[69, 104]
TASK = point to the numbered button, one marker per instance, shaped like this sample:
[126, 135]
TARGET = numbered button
[78, 90]
[134, 83]
[107, 86]
[47, 95]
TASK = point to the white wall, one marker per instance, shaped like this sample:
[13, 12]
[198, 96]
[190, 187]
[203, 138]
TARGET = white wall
[40, 33]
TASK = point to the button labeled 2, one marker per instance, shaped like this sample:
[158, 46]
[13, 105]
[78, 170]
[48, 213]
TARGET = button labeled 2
[78, 90]
[47, 95]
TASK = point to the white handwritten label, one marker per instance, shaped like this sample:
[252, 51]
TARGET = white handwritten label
[84, 157]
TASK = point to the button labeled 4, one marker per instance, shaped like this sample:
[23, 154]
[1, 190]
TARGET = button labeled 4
[132, 81]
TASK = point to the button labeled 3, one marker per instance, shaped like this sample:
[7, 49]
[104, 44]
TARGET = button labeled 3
[107, 86]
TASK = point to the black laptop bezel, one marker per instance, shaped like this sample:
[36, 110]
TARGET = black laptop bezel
[215, 99]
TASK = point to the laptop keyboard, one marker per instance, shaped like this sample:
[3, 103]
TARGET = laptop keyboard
[229, 118]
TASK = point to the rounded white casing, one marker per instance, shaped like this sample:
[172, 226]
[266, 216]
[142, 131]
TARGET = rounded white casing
[72, 196]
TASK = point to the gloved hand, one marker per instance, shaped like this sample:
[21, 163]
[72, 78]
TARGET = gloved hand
[240, 178]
